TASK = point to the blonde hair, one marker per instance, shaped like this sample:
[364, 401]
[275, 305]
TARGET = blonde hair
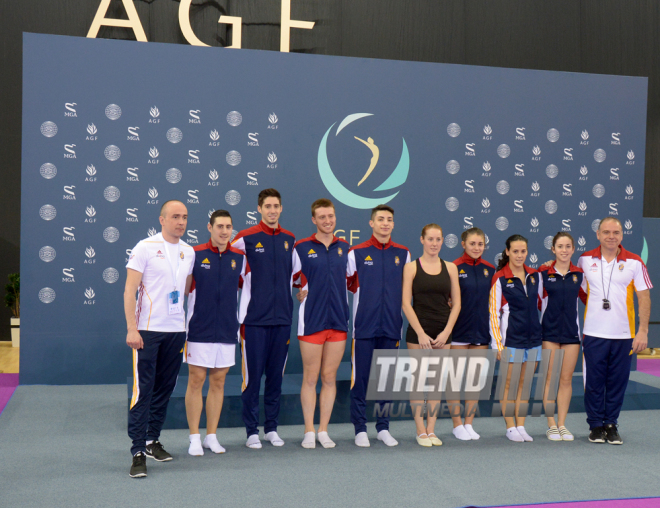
[430, 226]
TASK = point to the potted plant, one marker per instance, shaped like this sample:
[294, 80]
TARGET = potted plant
[13, 301]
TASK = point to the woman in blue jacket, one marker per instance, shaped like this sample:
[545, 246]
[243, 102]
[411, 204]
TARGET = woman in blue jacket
[514, 322]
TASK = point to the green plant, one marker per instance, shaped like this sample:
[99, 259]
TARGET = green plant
[13, 296]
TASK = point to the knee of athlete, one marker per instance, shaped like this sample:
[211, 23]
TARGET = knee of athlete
[329, 378]
[566, 381]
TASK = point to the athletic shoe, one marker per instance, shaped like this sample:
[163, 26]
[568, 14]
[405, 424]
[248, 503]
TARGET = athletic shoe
[597, 435]
[156, 451]
[553, 433]
[139, 466]
[423, 440]
[612, 434]
[565, 434]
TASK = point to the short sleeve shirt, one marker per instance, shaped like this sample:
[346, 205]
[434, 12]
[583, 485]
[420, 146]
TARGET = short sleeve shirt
[149, 257]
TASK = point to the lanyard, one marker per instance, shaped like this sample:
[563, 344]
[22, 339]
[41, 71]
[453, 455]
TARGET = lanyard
[609, 283]
[175, 276]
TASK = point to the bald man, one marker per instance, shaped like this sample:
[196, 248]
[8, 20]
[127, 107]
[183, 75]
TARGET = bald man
[159, 270]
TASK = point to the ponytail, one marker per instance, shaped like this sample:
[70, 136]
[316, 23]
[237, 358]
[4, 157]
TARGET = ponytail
[505, 258]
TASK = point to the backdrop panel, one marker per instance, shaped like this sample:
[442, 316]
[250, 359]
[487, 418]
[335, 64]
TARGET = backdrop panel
[112, 129]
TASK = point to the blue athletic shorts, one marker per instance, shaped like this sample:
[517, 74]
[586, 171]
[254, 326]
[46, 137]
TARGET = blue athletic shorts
[511, 351]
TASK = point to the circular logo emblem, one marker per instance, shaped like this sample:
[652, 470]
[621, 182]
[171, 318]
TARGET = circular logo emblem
[453, 129]
[599, 190]
[174, 135]
[111, 235]
[451, 204]
[502, 223]
[47, 212]
[48, 129]
[233, 158]
[110, 275]
[46, 295]
[547, 242]
[47, 254]
[173, 175]
[503, 151]
[112, 111]
[232, 197]
[367, 141]
[553, 135]
[451, 241]
[595, 225]
[453, 167]
[111, 193]
[552, 171]
[502, 187]
[48, 170]
[551, 206]
[600, 155]
[112, 152]
[234, 118]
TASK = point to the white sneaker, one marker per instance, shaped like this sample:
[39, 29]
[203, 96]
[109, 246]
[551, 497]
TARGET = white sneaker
[513, 435]
[195, 448]
[274, 439]
[253, 442]
[211, 442]
[386, 437]
[362, 440]
[309, 440]
[523, 433]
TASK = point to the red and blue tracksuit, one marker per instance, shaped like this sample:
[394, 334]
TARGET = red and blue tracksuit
[213, 299]
[375, 277]
[474, 277]
[321, 271]
[514, 314]
[265, 314]
[559, 304]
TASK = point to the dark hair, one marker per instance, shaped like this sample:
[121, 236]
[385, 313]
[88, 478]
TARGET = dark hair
[430, 226]
[268, 193]
[562, 234]
[609, 217]
[164, 207]
[381, 208]
[216, 214]
[505, 259]
[472, 231]
[321, 203]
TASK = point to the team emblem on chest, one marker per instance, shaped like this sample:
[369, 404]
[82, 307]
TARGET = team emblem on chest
[206, 264]
[259, 248]
[621, 267]
[286, 245]
[233, 264]
[533, 280]
[368, 261]
[485, 272]
[397, 261]
[340, 251]
[181, 254]
[575, 278]
[312, 254]
[462, 274]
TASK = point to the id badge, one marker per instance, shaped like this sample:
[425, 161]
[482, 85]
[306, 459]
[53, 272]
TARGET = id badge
[174, 303]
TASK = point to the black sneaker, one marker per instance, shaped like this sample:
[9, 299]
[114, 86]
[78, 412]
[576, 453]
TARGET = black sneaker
[597, 435]
[613, 436]
[156, 451]
[139, 466]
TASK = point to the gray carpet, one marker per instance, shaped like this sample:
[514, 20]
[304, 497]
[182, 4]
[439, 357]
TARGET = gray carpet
[67, 446]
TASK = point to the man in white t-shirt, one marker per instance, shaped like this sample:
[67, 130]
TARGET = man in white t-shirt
[611, 276]
[159, 270]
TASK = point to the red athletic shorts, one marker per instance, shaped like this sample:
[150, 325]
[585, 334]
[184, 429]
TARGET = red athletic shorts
[323, 336]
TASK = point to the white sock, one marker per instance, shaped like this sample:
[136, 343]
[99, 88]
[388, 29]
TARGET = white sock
[149, 442]
[253, 442]
[523, 433]
[471, 431]
[386, 437]
[362, 440]
[195, 447]
[325, 440]
[461, 433]
[274, 439]
[309, 440]
[513, 434]
[211, 442]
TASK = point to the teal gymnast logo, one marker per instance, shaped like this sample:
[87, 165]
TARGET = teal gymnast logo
[397, 178]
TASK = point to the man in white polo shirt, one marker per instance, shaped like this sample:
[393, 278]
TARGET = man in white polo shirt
[611, 276]
[159, 270]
